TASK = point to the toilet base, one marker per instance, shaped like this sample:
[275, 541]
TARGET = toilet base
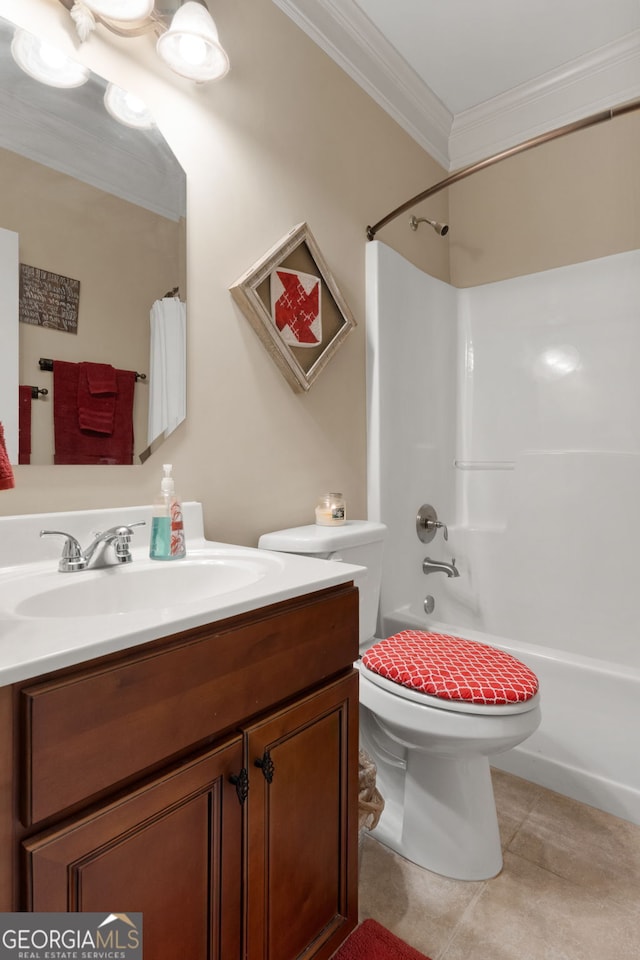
[439, 810]
[448, 822]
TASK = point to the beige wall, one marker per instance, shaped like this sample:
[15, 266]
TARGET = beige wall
[286, 137]
[125, 257]
[575, 199]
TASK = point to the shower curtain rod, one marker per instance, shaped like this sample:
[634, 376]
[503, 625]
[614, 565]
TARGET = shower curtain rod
[465, 172]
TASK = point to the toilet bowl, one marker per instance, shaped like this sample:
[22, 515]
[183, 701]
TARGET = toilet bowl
[433, 710]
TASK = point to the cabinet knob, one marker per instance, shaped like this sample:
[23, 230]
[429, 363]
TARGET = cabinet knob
[241, 783]
[267, 766]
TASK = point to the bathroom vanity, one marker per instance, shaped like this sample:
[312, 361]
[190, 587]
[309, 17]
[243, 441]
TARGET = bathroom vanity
[206, 778]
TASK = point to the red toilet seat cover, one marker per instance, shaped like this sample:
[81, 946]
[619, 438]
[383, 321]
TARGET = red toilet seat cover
[451, 668]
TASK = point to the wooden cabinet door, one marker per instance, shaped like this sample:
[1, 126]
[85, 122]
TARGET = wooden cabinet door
[301, 889]
[171, 849]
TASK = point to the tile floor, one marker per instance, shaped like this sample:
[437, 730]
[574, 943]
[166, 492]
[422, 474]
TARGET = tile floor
[569, 889]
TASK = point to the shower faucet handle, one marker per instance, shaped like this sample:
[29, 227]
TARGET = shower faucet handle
[427, 524]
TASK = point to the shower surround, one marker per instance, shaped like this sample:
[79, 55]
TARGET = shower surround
[514, 408]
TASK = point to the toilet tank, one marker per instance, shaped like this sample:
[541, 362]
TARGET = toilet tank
[356, 541]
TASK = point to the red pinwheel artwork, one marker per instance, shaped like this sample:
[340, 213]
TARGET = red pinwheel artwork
[295, 307]
[293, 303]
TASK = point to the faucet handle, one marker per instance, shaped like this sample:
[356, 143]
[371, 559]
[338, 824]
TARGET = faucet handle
[427, 524]
[136, 523]
[124, 533]
[72, 557]
[122, 539]
[121, 530]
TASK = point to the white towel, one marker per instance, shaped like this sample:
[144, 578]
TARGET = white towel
[167, 367]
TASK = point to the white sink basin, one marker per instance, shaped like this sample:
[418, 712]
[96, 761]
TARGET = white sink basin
[137, 586]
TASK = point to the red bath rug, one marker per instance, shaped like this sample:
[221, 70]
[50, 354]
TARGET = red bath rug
[371, 941]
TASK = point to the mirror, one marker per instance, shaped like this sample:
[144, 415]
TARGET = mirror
[98, 210]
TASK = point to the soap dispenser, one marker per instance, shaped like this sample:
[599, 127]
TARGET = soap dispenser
[167, 528]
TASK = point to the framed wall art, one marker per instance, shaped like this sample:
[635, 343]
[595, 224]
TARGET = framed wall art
[294, 305]
[48, 299]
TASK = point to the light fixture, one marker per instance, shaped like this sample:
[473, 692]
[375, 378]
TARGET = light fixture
[46, 63]
[126, 108]
[189, 45]
[124, 11]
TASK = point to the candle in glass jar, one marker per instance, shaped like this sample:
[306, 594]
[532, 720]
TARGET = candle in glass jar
[331, 510]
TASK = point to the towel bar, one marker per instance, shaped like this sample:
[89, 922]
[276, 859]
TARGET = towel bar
[46, 364]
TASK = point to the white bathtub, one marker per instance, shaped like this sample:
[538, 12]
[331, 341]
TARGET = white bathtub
[586, 746]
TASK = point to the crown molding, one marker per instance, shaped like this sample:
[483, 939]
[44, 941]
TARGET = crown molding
[604, 78]
[350, 39]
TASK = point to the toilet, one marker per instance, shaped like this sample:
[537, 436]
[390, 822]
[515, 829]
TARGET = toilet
[433, 709]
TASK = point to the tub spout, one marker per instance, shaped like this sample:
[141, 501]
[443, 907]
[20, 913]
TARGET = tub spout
[439, 566]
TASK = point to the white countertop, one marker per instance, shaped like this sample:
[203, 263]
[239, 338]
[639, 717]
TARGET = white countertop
[33, 645]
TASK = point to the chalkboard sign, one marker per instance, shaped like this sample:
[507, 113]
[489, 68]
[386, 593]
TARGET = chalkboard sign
[48, 299]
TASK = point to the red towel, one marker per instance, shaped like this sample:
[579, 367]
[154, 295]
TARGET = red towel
[74, 444]
[7, 480]
[101, 378]
[97, 391]
[24, 424]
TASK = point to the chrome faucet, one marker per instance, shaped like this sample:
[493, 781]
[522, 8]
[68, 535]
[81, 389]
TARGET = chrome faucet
[440, 566]
[75, 558]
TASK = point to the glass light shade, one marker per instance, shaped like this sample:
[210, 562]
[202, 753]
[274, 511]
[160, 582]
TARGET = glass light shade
[46, 63]
[127, 108]
[191, 46]
[124, 11]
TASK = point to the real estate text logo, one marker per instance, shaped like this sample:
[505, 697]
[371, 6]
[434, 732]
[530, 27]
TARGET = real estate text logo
[70, 936]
